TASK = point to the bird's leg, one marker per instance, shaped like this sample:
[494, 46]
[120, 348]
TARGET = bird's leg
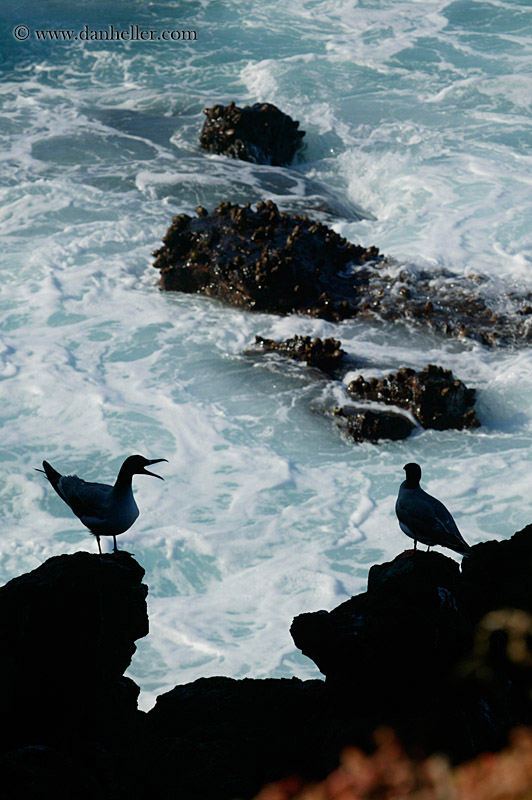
[415, 544]
[99, 545]
[115, 548]
[428, 548]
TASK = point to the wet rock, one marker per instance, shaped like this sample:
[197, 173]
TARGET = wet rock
[263, 260]
[260, 133]
[266, 260]
[434, 397]
[465, 307]
[324, 354]
[371, 425]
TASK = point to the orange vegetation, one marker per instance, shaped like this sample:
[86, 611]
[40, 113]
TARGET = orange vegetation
[389, 773]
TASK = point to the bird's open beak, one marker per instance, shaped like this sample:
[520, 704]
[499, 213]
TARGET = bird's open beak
[154, 461]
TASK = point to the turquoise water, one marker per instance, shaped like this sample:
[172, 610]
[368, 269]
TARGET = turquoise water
[418, 141]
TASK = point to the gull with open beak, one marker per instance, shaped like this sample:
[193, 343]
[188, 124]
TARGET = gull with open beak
[105, 510]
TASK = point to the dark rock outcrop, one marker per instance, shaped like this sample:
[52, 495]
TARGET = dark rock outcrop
[434, 397]
[68, 632]
[409, 615]
[260, 133]
[36, 772]
[265, 260]
[372, 425]
[499, 575]
[324, 354]
[244, 732]
[443, 655]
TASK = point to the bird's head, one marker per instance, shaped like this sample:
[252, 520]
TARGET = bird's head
[413, 475]
[136, 465]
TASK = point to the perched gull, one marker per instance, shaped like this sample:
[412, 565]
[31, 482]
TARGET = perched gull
[105, 510]
[424, 518]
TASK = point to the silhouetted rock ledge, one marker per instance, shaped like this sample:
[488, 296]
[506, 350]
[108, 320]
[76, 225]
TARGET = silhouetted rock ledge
[68, 632]
[226, 738]
[267, 260]
[260, 133]
[442, 654]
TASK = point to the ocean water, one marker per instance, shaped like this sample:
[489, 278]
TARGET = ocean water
[418, 120]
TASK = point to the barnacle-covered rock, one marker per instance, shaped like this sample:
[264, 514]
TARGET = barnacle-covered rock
[325, 354]
[435, 398]
[264, 260]
[260, 133]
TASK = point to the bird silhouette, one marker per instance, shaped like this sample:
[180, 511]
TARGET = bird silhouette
[424, 518]
[105, 510]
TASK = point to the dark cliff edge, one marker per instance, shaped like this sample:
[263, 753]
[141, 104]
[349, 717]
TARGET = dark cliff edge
[69, 720]
[442, 654]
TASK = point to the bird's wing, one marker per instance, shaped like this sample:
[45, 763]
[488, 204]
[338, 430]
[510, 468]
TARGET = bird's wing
[416, 513]
[84, 498]
[443, 515]
[430, 520]
[416, 509]
[451, 536]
